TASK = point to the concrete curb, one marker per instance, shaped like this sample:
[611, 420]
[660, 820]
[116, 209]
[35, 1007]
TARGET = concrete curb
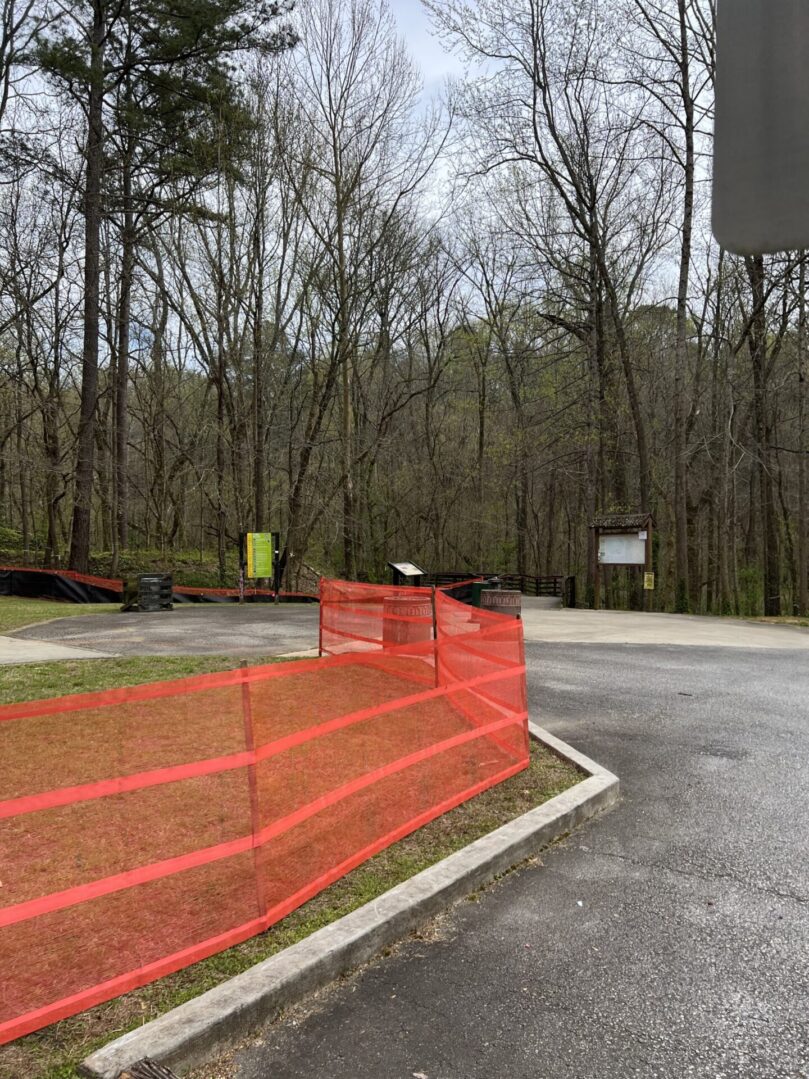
[213, 1022]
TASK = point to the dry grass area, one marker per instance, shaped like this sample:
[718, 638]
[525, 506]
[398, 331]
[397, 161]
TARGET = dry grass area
[782, 620]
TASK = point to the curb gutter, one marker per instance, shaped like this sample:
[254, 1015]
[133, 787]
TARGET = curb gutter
[213, 1022]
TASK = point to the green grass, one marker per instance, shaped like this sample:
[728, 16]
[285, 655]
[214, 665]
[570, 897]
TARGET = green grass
[16, 613]
[35, 681]
[55, 1052]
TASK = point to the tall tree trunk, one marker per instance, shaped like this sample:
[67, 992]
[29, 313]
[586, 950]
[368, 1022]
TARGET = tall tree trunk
[480, 477]
[221, 509]
[83, 497]
[594, 495]
[121, 475]
[259, 424]
[680, 363]
[762, 423]
[50, 439]
[803, 509]
[636, 411]
[349, 560]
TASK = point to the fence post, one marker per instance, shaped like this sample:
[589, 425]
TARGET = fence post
[435, 636]
[320, 623]
[252, 782]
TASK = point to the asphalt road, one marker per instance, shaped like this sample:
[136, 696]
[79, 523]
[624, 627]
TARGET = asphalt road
[668, 939]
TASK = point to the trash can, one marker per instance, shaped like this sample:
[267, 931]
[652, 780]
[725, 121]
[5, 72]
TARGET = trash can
[406, 620]
[149, 592]
[476, 587]
[506, 601]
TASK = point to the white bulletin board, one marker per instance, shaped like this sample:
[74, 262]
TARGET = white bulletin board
[622, 550]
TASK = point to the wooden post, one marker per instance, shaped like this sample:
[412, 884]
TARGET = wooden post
[435, 637]
[252, 784]
[596, 570]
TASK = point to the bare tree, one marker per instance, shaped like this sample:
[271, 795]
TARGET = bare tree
[356, 90]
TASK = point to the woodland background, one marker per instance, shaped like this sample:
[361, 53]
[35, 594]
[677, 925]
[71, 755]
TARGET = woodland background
[251, 278]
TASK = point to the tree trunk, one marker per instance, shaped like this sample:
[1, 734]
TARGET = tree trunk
[121, 475]
[803, 510]
[82, 505]
[762, 425]
[636, 411]
[681, 602]
[259, 426]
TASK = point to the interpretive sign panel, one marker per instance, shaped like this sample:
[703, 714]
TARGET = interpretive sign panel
[259, 554]
[407, 569]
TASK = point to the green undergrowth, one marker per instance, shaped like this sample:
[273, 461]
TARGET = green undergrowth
[55, 1052]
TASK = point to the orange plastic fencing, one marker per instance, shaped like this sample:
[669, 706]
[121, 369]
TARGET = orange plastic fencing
[115, 585]
[144, 829]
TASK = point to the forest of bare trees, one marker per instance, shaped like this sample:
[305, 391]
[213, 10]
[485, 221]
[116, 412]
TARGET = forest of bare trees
[251, 278]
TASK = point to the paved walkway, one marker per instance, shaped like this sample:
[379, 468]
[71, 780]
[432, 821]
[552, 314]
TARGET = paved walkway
[669, 939]
[634, 627]
[15, 650]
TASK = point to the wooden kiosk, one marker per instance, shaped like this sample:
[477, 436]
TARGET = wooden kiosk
[622, 539]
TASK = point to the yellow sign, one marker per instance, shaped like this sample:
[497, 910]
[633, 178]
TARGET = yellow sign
[649, 582]
[259, 554]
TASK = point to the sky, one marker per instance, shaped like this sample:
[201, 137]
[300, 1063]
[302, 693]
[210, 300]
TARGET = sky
[424, 46]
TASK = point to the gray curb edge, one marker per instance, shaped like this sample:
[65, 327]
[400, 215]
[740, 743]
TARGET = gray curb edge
[220, 1018]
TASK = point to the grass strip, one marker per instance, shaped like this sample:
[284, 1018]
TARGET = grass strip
[37, 681]
[16, 613]
[55, 1052]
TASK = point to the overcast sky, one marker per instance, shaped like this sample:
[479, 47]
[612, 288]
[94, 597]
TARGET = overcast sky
[423, 44]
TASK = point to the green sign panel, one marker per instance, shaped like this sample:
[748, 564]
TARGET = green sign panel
[259, 554]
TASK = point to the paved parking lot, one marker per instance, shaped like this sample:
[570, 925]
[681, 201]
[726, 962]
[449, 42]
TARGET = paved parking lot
[267, 629]
[263, 629]
[669, 939]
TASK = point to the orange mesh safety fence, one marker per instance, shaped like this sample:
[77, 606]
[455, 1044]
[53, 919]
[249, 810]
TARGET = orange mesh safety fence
[116, 585]
[144, 829]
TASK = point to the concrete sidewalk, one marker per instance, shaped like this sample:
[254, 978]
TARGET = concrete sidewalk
[669, 939]
[637, 627]
[17, 650]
